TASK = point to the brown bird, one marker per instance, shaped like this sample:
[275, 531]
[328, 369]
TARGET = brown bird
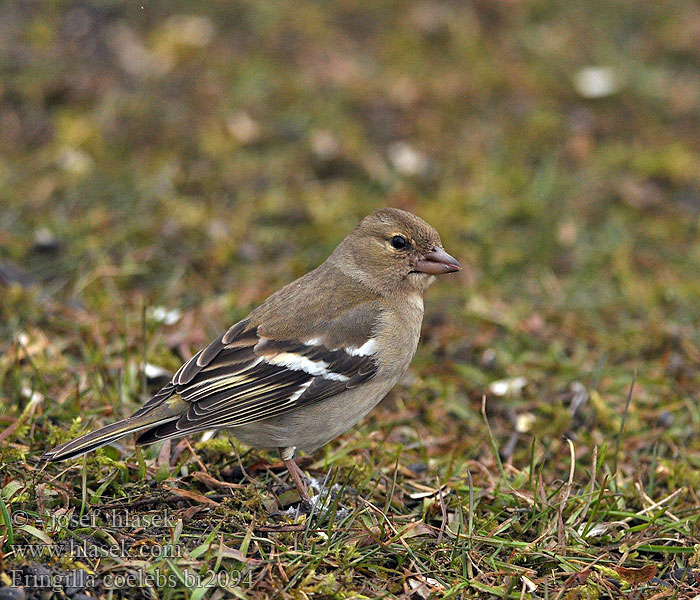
[312, 359]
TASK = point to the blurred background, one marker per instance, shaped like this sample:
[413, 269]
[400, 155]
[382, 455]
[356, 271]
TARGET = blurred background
[182, 160]
[165, 166]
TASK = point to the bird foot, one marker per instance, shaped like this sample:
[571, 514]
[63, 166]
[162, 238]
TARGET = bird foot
[298, 477]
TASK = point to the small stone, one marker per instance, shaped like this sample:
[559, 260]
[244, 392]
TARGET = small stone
[37, 575]
[665, 419]
[244, 128]
[567, 234]
[524, 422]
[12, 593]
[75, 161]
[75, 581]
[597, 82]
[160, 314]
[684, 575]
[325, 145]
[45, 241]
[488, 358]
[418, 467]
[513, 386]
[154, 372]
[579, 397]
[407, 160]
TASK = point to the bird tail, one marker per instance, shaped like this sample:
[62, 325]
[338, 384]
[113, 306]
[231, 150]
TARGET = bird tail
[107, 435]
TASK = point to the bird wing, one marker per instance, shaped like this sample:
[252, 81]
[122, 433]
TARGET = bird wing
[244, 377]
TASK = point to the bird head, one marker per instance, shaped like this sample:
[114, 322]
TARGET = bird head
[393, 250]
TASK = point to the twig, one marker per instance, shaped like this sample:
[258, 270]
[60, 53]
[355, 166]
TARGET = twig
[194, 455]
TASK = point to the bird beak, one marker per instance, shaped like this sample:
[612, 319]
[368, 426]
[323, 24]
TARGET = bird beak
[437, 262]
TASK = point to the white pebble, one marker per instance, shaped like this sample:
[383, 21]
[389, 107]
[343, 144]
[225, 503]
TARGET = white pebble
[508, 386]
[597, 82]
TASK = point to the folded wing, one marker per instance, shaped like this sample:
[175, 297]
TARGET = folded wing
[244, 377]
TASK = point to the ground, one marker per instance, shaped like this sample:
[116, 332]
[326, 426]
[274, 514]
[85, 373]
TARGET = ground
[165, 166]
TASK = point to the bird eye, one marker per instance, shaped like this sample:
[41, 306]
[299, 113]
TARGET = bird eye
[399, 242]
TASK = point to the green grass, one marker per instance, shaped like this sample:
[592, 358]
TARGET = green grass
[150, 163]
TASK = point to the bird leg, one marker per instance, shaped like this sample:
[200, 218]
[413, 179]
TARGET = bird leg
[297, 475]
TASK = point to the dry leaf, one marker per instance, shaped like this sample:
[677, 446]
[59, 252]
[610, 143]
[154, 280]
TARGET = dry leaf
[191, 496]
[212, 482]
[416, 529]
[635, 576]
[227, 552]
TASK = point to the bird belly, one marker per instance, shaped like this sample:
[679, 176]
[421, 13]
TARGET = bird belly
[310, 427]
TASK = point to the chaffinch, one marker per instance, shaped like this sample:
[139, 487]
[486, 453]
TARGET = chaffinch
[312, 359]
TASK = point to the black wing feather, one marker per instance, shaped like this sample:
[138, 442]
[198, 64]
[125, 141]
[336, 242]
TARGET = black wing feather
[242, 377]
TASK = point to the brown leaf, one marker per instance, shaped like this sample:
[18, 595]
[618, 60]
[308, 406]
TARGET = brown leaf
[373, 536]
[189, 513]
[416, 529]
[191, 496]
[634, 576]
[227, 552]
[212, 482]
[582, 576]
